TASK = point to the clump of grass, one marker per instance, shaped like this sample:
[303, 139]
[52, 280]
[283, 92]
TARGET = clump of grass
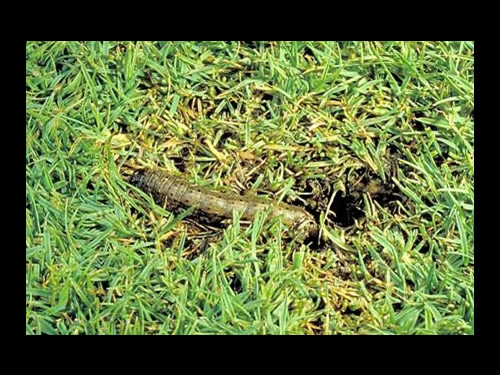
[306, 122]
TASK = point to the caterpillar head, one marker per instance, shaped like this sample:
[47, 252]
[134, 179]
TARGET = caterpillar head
[137, 178]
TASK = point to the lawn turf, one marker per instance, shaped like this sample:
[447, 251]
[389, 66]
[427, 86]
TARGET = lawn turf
[302, 122]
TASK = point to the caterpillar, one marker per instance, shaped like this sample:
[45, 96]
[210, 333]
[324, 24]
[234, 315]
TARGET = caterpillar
[211, 206]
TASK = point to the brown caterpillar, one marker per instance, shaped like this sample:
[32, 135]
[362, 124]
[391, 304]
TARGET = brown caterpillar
[213, 206]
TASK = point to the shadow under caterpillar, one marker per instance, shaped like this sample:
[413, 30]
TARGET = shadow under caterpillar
[176, 194]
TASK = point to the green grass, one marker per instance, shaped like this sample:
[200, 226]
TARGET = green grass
[267, 117]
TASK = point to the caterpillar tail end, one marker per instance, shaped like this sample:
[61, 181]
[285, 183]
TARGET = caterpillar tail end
[307, 230]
